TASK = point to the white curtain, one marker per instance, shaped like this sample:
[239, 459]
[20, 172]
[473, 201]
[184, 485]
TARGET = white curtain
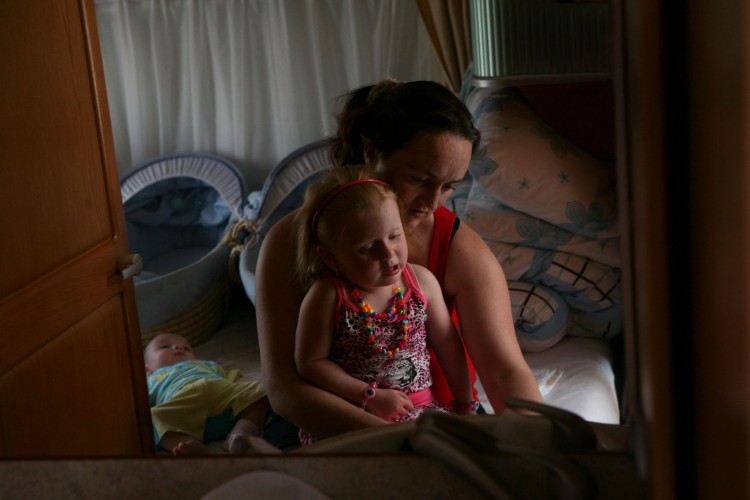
[249, 80]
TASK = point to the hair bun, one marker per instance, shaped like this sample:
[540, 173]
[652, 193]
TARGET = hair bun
[380, 88]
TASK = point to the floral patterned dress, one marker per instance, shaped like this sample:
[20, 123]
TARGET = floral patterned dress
[408, 369]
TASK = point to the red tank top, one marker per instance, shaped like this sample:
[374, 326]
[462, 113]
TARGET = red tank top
[446, 224]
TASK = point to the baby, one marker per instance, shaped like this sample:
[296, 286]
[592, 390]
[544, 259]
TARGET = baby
[195, 401]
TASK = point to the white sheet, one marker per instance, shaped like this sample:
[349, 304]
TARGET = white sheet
[235, 345]
[577, 375]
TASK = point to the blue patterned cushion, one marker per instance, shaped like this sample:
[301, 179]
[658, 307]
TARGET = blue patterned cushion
[548, 211]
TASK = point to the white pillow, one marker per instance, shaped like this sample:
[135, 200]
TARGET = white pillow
[496, 222]
[529, 167]
[548, 211]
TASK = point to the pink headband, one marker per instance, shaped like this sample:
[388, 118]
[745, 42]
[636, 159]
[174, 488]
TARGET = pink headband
[327, 200]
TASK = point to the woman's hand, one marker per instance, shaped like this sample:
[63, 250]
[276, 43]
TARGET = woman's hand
[389, 404]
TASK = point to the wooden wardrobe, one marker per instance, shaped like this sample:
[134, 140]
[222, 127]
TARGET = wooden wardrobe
[69, 337]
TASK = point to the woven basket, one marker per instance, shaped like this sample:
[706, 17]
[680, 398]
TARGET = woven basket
[199, 321]
[177, 210]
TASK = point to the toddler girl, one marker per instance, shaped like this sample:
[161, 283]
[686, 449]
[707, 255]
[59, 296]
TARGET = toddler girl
[368, 316]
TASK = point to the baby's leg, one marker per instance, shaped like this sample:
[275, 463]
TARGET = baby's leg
[245, 436]
[183, 444]
[256, 413]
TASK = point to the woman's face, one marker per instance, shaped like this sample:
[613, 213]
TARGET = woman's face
[425, 173]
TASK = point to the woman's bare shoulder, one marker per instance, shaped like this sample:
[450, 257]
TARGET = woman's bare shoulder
[466, 241]
[469, 256]
[283, 230]
[276, 260]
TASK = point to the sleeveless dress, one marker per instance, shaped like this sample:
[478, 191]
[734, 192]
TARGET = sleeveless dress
[408, 370]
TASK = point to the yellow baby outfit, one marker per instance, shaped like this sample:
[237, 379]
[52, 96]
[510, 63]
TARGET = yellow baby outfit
[185, 395]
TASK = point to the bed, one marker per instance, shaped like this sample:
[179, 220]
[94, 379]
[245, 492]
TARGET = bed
[576, 375]
[547, 209]
[546, 205]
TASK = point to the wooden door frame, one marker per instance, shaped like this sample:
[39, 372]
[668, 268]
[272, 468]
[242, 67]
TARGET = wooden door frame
[683, 113]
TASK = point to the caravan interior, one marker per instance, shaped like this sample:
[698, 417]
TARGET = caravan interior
[542, 191]
[576, 209]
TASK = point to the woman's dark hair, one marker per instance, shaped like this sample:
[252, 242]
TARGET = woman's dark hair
[390, 114]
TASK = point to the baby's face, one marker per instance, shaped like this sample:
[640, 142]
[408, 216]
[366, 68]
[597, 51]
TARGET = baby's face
[167, 349]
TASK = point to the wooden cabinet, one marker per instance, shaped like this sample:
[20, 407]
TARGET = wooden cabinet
[69, 337]
[685, 122]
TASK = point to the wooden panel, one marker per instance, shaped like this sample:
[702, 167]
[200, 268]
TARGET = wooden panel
[68, 325]
[47, 120]
[60, 260]
[642, 193]
[36, 313]
[720, 223]
[81, 403]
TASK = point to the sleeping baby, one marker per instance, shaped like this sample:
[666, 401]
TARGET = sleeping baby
[194, 402]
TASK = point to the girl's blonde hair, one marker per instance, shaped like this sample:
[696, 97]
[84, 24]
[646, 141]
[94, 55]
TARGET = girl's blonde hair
[323, 216]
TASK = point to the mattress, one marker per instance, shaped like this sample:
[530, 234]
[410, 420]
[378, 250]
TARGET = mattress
[576, 374]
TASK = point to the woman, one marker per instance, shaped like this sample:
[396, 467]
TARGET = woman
[419, 137]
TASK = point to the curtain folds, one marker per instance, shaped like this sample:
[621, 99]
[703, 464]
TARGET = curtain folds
[249, 80]
[449, 26]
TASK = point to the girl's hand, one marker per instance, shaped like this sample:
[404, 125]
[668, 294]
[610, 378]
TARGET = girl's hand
[389, 404]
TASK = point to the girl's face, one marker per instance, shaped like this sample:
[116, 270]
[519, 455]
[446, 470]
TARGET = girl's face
[167, 350]
[371, 251]
[425, 173]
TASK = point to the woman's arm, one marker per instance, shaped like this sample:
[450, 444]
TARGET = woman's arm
[478, 286]
[279, 297]
[443, 337]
